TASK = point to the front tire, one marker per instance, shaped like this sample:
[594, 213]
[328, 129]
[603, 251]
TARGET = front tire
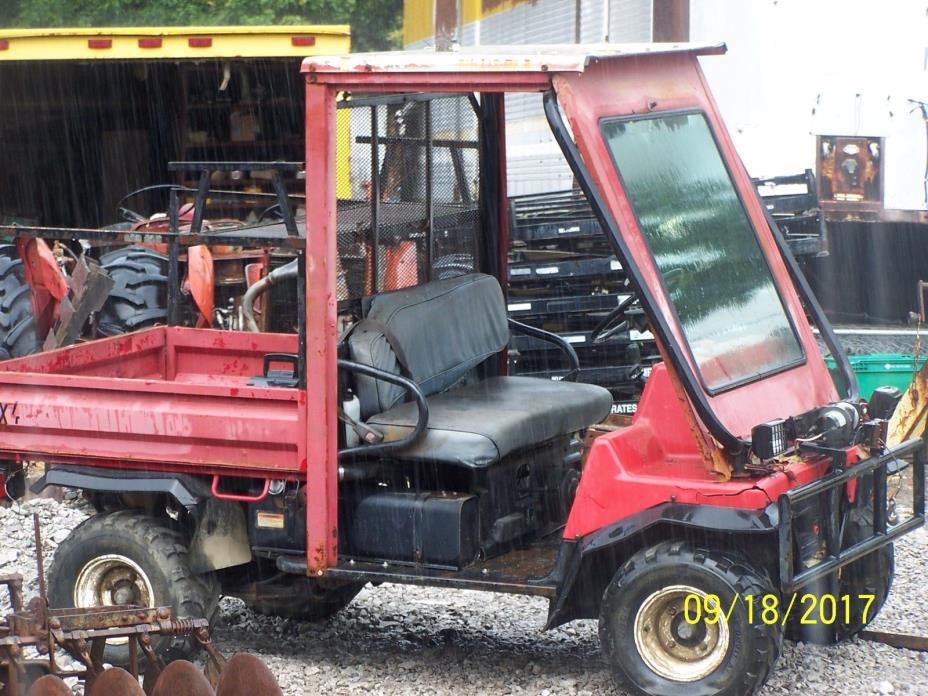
[127, 558]
[651, 646]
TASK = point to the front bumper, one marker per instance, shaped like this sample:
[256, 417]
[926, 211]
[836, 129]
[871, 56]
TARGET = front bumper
[830, 490]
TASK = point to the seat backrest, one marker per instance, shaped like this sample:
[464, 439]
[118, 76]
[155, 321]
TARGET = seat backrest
[443, 328]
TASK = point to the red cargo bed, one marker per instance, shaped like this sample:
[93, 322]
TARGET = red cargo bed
[165, 398]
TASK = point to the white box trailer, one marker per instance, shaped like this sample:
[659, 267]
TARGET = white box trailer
[799, 76]
[796, 70]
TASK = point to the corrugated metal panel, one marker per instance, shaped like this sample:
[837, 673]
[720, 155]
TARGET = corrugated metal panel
[629, 20]
[467, 35]
[545, 21]
[536, 164]
[593, 26]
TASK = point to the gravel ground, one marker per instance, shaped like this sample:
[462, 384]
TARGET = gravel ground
[408, 640]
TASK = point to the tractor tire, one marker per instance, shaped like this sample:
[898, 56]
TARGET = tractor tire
[654, 650]
[139, 298]
[304, 599]
[127, 558]
[17, 322]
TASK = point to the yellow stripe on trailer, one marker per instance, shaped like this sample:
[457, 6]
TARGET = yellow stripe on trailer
[418, 20]
[475, 10]
[140, 43]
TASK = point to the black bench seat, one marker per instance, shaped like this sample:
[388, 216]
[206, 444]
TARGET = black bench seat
[481, 423]
[436, 334]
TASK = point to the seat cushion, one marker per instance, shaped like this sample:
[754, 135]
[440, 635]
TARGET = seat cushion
[481, 423]
[445, 328]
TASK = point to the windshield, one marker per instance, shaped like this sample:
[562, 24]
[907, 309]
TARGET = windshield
[705, 249]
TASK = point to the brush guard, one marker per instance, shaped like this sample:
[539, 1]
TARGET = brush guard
[831, 488]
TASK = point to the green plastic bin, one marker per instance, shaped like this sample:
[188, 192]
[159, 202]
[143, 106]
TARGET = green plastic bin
[878, 370]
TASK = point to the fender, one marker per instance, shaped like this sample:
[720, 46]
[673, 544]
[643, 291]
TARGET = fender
[188, 491]
[44, 277]
[220, 534]
[201, 282]
[577, 566]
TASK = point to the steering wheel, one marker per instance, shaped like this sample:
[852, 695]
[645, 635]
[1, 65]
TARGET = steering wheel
[608, 325]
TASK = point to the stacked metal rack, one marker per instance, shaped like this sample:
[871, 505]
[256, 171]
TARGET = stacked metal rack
[564, 277]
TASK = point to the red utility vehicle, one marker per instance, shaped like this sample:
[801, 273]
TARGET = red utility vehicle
[384, 442]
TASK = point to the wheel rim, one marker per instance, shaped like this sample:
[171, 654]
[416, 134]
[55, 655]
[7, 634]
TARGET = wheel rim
[671, 647]
[112, 580]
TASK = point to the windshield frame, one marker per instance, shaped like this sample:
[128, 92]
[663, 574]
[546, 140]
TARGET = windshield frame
[734, 384]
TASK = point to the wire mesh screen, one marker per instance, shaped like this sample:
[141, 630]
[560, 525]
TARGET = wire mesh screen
[407, 174]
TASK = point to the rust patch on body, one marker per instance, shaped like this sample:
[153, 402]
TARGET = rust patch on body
[909, 418]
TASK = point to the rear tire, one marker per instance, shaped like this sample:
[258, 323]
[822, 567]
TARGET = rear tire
[17, 322]
[126, 558]
[139, 296]
[652, 648]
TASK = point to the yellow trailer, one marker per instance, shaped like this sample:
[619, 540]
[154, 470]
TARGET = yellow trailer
[90, 114]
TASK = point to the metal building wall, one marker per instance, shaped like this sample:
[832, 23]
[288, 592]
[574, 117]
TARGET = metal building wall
[536, 163]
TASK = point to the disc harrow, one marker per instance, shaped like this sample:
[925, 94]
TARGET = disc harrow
[33, 635]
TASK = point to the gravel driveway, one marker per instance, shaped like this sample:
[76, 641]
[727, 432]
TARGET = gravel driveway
[408, 640]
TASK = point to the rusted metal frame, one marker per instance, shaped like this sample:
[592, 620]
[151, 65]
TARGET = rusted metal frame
[159, 466]
[173, 273]
[429, 206]
[301, 320]
[905, 641]
[838, 558]
[241, 236]
[375, 198]
[14, 586]
[409, 575]
[502, 212]
[918, 483]
[321, 316]
[213, 656]
[412, 140]
[451, 82]
[232, 166]
[922, 286]
[199, 206]
[390, 99]
[283, 200]
[176, 388]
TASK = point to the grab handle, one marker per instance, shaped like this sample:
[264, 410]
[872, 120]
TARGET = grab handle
[238, 498]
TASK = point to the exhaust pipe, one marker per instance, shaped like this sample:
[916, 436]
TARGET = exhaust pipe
[262, 286]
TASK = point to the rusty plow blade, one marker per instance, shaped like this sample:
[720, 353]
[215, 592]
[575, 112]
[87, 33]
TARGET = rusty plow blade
[182, 678]
[115, 682]
[911, 414]
[243, 675]
[246, 675]
[50, 685]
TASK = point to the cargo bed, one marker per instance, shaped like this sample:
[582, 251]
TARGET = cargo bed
[167, 398]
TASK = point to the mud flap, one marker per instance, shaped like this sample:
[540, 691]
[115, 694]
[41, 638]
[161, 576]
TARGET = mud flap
[221, 537]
